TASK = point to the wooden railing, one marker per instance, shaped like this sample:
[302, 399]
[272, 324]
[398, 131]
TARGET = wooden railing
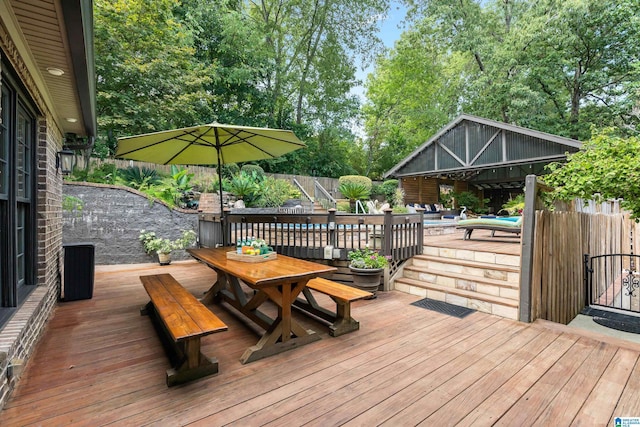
[319, 236]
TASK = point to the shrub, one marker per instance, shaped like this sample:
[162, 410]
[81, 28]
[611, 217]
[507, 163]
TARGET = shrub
[514, 206]
[356, 179]
[244, 187]
[398, 198]
[139, 178]
[354, 190]
[250, 169]
[342, 206]
[206, 184]
[154, 244]
[229, 170]
[387, 189]
[274, 192]
[470, 200]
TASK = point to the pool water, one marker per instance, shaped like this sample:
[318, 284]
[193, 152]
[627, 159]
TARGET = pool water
[438, 222]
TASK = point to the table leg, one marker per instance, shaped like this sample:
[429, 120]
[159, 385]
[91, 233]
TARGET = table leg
[212, 294]
[284, 333]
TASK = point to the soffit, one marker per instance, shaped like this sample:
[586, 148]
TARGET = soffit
[42, 27]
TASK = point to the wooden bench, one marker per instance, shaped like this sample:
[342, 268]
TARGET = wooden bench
[340, 321]
[181, 320]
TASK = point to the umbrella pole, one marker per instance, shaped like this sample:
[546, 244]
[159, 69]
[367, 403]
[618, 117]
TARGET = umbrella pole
[222, 219]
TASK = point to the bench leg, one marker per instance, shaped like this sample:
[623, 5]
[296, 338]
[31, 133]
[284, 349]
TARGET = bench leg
[344, 322]
[340, 322]
[194, 364]
[467, 234]
[185, 356]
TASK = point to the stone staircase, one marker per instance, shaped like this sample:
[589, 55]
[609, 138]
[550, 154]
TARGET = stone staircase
[485, 281]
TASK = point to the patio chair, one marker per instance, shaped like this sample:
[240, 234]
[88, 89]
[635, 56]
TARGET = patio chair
[506, 224]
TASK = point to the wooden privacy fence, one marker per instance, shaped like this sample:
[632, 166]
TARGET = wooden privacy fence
[561, 240]
[200, 172]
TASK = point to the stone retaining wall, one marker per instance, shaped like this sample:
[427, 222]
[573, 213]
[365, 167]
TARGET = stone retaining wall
[111, 218]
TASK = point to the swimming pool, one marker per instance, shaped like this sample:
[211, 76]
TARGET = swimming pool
[438, 222]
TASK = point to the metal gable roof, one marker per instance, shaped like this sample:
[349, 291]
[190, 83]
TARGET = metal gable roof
[474, 143]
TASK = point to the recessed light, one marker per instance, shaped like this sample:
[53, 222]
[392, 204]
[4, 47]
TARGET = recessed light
[55, 71]
[71, 119]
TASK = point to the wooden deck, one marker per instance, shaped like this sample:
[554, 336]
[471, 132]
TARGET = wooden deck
[100, 363]
[502, 243]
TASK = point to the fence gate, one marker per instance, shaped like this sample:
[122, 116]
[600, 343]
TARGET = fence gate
[613, 281]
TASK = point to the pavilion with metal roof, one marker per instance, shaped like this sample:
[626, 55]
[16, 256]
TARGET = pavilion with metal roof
[486, 157]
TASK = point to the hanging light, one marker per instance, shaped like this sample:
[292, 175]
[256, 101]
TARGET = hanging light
[64, 161]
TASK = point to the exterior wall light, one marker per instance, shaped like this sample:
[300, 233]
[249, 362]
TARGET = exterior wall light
[64, 161]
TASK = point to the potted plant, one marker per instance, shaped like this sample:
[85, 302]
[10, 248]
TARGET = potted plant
[367, 267]
[163, 247]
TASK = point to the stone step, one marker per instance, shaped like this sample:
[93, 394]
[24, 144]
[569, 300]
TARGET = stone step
[505, 273]
[492, 304]
[461, 279]
[473, 257]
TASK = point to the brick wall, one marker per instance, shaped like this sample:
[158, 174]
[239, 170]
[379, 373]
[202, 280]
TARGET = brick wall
[20, 334]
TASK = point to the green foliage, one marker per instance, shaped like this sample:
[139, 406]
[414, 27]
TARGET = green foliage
[229, 170]
[250, 169]
[554, 66]
[387, 189]
[72, 203]
[244, 186]
[470, 200]
[353, 190]
[139, 178]
[147, 76]
[181, 186]
[154, 244]
[357, 179]
[343, 206]
[607, 167]
[367, 258]
[398, 198]
[206, 184]
[274, 192]
[514, 206]
[105, 173]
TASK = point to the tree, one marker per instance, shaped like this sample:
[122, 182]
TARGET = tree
[589, 173]
[312, 46]
[147, 76]
[411, 94]
[227, 39]
[556, 66]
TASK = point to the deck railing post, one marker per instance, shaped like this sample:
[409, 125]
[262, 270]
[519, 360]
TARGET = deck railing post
[387, 243]
[226, 229]
[420, 234]
[526, 257]
[331, 227]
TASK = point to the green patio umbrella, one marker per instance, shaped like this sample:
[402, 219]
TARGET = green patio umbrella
[209, 144]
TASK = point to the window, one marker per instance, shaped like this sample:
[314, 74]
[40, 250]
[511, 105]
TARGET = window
[17, 201]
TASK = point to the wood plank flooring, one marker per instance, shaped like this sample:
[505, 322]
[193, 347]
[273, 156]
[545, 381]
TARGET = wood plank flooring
[101, 363]
[502, 243]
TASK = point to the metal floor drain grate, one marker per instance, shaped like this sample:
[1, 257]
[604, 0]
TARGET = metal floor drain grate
[443, 307]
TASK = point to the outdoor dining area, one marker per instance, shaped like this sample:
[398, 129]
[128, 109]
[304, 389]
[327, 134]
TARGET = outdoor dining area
[101, 362]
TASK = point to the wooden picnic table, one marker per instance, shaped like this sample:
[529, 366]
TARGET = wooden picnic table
[279, 280]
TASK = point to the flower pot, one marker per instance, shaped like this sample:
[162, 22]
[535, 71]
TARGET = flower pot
[367, 279]
[164, 259]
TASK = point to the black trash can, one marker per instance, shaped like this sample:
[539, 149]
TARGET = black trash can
[79, 269]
